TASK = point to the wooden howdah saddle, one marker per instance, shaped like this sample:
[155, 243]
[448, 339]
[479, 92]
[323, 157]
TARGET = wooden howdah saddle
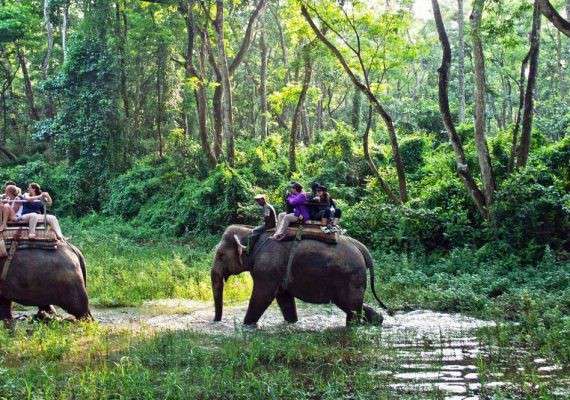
[309, 230]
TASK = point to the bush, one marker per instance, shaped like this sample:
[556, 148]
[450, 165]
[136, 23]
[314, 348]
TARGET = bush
[396, 228]
[530, 213]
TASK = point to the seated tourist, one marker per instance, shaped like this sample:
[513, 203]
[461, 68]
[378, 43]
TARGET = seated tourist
[331, 213]
[33, 211]
[315, 205]
[296, 199]
[10, 205]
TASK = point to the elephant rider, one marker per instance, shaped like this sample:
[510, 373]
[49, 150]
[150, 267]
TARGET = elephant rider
[316, 205]
[269, 222]
[330, 214]
[33, 211]
[297, 199]
[10, 205]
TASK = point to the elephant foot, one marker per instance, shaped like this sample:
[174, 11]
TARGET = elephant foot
[6, 310]
[372, 317]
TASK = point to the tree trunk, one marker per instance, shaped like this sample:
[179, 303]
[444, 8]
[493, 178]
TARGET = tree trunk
[161, 55]
[34, 115]
[64, 28]
[517, 125]
[461, 60]
[225, 69]
[121, 36]
[7, 153]
[225, 83]
[308, 71]
[306, 132]
[480, 138]
[528, 108]
[49, 112]
[355, 114]
[191, 73]
[49, 34]
[461, 163]
[264, 53]
[366, 147]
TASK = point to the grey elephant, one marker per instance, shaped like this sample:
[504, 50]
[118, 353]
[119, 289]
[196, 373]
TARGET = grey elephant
[38, 277]
[317, 273]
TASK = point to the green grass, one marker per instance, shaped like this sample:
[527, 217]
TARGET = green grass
[125, 270]
[87, 361]
[62, 361]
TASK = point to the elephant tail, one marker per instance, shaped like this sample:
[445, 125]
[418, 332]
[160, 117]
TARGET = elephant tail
[81, 261]
[370, 265]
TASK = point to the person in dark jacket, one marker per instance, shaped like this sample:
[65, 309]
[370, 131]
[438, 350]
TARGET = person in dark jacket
[330, 214]
[269, 222]
[33, 211]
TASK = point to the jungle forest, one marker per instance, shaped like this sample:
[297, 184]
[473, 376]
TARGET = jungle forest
[441, 129]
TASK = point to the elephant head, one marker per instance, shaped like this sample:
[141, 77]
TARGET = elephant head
[228, 260]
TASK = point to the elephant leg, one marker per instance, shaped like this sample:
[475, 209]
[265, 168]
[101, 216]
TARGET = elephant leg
[371, 316]
[78, 305]
[286, 303]
[5, 309]
[353, 311]
[262, 296]
[349, 298]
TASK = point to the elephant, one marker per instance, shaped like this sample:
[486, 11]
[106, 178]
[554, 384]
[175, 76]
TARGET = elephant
[40, 277]
[320, 273]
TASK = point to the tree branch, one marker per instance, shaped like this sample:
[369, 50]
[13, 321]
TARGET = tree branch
[247, 37]
[552, 15]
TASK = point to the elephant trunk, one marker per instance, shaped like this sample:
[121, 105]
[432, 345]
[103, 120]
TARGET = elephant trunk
[218, 291]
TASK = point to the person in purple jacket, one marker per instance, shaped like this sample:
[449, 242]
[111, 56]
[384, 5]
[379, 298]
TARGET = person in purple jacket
[296, 199]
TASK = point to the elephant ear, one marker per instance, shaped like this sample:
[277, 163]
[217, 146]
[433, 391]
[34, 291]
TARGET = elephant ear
[240, 247]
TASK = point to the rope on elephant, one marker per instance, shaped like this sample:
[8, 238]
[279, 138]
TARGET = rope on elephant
[288, 274]
[8, 261]
[256, 248]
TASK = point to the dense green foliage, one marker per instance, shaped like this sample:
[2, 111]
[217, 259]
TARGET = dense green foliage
[118, 109]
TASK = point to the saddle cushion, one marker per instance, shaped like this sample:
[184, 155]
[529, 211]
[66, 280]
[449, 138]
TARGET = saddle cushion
[20, 232]
[309, 231]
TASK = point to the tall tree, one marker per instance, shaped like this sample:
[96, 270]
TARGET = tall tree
[308, 71]
[479, 77]
[224, 70]
[461, 59]
[64, 27]
[365, 87]
[264, 57]
[517, 124]
[28, 89]
[462, 167]
[528, 108]
[355, 110]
